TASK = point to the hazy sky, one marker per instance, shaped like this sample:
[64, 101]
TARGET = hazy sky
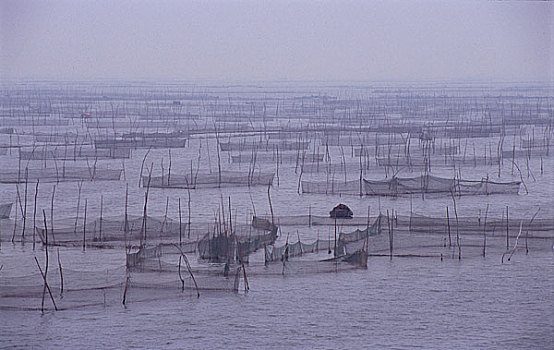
[276, 40]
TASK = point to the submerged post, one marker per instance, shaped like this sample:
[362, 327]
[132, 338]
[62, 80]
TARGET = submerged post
[389, 225]
[448, 226]
[485, 231]
[35, 215]
[507, 229]
[85, 226]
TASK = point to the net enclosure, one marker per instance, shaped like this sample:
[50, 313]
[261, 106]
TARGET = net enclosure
[5, 210]
[59, 174]
[74, 153]
[426, 184]
[116, 230]
[249, 146]
[228, 245]
[209, 180]
[346, 243]
[141, 142]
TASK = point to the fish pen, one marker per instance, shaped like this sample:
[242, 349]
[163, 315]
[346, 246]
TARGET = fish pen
[119, 191]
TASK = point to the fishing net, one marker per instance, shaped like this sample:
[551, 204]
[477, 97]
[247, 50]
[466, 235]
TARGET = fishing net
[267, 146]
[213, 180]
[347, 243]
[139, 142]
[234, 245]
[60, 174]
[353, 187]
[74, 153]
[397, 186]
[314, 264]
[68, 138]
[272, 157]
[5, 210]
[471, 225]
[156, 279]
[315, 220]
[112, 230]
[70, 289]
[44, 120]
[167, 267]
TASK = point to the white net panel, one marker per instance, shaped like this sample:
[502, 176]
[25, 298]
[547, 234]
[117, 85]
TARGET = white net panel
[230, 246]
[138, 142]
[347, 243]
[333, 187]
[398, 186]
[60, 174]
[5, 210]
[74, 153]
[264, 146]
[213, 180]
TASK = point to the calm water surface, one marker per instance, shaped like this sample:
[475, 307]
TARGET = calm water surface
[403, 303]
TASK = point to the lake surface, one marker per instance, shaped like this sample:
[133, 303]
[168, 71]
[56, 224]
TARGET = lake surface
[398, 303]
[429, 299]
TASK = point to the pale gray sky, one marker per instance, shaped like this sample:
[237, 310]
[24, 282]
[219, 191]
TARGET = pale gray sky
[276, 40]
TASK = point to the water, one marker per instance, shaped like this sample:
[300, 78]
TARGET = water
[402, 303]
[398, 303]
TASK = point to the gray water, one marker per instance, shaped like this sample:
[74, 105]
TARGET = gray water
[397, 303]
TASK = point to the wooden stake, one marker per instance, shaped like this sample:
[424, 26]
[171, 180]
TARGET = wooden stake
[457, 229]
[101, 210]
[52, 213]
[189, 269]
[61, 272]
[180, 226]
[25, 205]
[389, 225]
[80, 185]
[270, 205]
[448, 225]
[35, 215]
[85, 226]
[189, 213]
[485, 231]
[507, 229]
[126, 223]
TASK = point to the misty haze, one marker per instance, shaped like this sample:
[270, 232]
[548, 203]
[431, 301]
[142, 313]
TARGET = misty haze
[286, 174]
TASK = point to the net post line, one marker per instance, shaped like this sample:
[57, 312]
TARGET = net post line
[427, 184]
[299, 248]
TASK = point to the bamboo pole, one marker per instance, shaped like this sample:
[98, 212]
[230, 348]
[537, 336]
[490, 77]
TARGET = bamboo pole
[35, 215]
[189, 269]
[45, 273]
[52, 213]
[126, 219]
[46, 288]
[127, 278]
[61, 272]
[485, 231]
[270, 205]
[507, 229]
[389, 225]
[189, 214]
[448, 225]
[85, 226]
[25, 205]
[79, 185]
[101, 212]
[180, 225]
[527, 231]
[457, 228]
[144, 212]
[142, 165]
